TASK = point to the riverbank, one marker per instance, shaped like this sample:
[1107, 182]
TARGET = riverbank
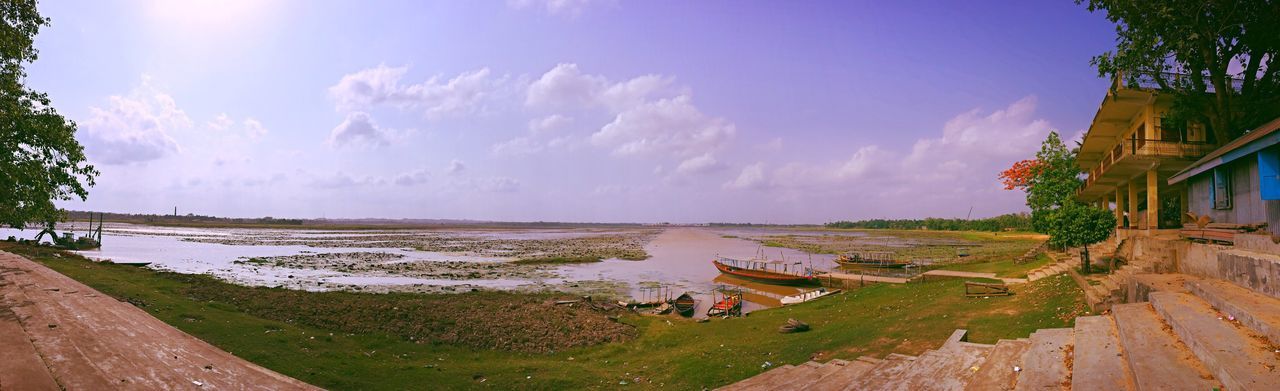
[296, 334]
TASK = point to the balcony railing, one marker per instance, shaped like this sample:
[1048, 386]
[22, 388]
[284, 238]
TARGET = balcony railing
[1148, 148]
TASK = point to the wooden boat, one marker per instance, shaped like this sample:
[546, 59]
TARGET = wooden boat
[730, 305]
[685, 304]
[807, 296]
[776, 272]
[871, 259]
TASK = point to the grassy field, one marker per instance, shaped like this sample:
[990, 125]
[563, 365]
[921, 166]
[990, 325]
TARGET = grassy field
[307, 336]
[988, 252]
[1002, 268]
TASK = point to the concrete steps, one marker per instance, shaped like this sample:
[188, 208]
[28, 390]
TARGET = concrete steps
[1098, 356]
[838, 379]
[998, 371]
[1239, 360]
[1194, 334]
[1045, 362]
[1157, 359]
[1258, 312]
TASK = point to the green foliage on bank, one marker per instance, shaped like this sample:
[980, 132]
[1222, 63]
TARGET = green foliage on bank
[1007, 222]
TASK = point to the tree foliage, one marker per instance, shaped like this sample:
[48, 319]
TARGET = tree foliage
[1012, 221]
[1190, 48]
[1076, 224]
[1051, 181]
[41, 160]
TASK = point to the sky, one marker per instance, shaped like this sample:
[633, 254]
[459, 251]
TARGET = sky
[567, 110]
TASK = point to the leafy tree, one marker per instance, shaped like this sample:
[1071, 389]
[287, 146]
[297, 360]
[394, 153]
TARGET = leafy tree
[1188, 48]
[42, 161]
[1051, 180]
[1078, 225]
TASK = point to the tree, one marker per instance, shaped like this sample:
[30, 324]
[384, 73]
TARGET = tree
[1190, 47]
[1078, 225]
[42, 162]
[1050, 180]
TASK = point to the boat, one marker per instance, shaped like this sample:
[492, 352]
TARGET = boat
[685, 304]
[807, 296]
[730, 305]
[775, 272]
[872, 259]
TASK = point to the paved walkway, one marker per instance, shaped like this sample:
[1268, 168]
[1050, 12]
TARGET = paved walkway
[953, 273]
[56, 333]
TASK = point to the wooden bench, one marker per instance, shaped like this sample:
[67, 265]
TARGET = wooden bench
[978, 289]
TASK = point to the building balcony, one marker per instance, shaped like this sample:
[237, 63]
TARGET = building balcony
[1133, 157]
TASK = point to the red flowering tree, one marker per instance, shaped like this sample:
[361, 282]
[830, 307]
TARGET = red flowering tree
[1019, 176]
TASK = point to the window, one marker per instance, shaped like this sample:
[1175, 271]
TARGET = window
[1220, 195]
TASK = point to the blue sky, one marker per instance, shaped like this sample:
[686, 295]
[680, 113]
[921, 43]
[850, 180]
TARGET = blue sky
[567, 110]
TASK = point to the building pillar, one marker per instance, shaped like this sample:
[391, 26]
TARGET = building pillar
[1119, 207]
[1133, 203]
[1184, 205]
[1153, 200]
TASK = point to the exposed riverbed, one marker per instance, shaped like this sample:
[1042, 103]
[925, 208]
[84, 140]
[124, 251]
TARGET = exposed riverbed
[635, 259]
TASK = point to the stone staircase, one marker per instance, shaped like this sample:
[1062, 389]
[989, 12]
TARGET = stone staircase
[1061, 263]
[1192, 334]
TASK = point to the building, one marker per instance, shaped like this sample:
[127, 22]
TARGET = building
[1131, 150]
[1238, 183]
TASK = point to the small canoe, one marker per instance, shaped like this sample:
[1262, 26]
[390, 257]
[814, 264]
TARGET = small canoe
[685, 304]
[730, 305]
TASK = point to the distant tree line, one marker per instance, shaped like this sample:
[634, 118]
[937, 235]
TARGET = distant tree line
[1012, 221]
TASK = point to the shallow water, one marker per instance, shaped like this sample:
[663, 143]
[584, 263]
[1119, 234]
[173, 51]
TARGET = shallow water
[680, 259]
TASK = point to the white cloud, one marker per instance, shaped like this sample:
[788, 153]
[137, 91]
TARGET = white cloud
[359, 129]
[456, 167]
[566, 8]
[566, 86]
[223, 124]
[413, 178]
[958, 168]
[253, 128]
[698, 165]
[341, 180]
[435, 97]
[751, 177]
[672, 126]
[494, 184]
[135, 128]
[549, 123]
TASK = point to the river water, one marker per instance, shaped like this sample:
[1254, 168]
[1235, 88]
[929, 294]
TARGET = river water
[680, 259]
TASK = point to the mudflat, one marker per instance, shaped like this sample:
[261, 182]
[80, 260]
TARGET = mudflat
[61, 334]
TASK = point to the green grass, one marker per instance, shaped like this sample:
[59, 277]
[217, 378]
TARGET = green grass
[666, 352]
[1002, 268]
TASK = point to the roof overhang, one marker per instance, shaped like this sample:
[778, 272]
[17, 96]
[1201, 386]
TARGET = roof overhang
[1262, 137]
[1113, 118]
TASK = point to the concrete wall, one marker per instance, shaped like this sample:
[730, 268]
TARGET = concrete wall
[1253, 263]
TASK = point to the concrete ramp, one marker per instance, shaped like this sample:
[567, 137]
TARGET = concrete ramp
[56, 333]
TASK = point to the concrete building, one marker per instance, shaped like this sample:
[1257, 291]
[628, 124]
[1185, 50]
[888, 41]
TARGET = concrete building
[1237, 183]
[1131, 150]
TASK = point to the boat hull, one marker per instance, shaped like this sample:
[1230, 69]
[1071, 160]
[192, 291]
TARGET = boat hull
[685, 304]
[766, 276]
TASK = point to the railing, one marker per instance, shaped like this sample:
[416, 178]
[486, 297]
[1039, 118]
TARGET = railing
[1148, 148]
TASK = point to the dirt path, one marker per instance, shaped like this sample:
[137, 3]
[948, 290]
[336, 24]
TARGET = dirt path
[56, 333]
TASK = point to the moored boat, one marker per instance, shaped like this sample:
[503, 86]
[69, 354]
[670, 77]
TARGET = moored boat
[872, 259]
[776, 272]
[730, 305]
[685, 304]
